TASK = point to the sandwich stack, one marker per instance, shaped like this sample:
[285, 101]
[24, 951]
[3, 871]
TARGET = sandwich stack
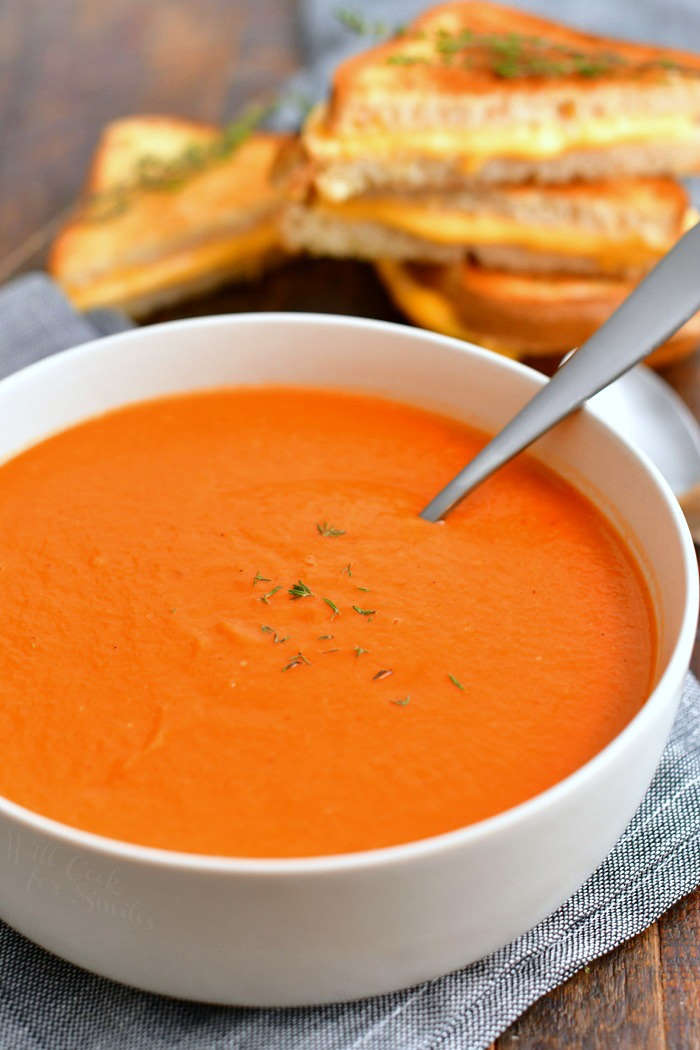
[512, 178]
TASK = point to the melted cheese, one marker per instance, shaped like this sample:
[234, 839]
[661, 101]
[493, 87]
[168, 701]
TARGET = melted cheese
[431, 309]
[200, 264]
[446, 225]
[474, 146]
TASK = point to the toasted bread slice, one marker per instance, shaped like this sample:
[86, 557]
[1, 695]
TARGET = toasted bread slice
[472, 90]
[517, 315]
[417, 289]
[141, 248]
[618, 228]
[341, 180]
[321, 231]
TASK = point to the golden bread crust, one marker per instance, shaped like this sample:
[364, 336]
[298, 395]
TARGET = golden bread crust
[519, 315]
[475, 91]
[373, 71]
[213, 225]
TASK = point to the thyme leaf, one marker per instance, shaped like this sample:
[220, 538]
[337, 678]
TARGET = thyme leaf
[358, 24]
[152, 173]
[300, 590]
[324, 529]
[296, 661]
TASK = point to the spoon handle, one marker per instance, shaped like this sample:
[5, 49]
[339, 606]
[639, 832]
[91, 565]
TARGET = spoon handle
[658, 306]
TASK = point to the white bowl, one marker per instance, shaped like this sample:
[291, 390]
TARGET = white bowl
[280, 932]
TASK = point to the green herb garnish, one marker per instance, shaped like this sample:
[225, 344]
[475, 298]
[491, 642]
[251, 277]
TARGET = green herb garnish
[300, 590]
[325, 529]
[261, 579]
[447, 44]
[401, 59]
[364, 612]
[332, 606]
[357, 23]
[351, 20]
[401, 701]
[348, 569]
[276, 640]
[160, 174]
[455, 681]
[511, 55]
[359, 650]
[590, 66]
[266, 597]
[296, 661]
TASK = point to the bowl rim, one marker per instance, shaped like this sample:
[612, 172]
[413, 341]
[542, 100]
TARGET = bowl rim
[418, 849]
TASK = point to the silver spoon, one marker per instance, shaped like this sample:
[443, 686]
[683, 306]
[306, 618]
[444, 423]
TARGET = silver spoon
[667, 297]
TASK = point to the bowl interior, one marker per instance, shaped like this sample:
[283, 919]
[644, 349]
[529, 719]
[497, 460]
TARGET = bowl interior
[399, 362]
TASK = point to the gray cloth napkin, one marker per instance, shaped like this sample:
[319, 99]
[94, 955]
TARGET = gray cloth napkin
[47, 1004]
[36, 320]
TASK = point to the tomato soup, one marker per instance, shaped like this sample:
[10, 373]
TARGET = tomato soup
[226, 630]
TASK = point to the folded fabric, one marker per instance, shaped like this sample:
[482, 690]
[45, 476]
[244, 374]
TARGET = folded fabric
[36, 320]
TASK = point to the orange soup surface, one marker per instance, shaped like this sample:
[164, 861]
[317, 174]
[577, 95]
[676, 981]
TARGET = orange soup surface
[226, 630]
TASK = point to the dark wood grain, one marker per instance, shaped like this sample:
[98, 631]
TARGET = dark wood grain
[679, 961]
[333, 286]
[69, 66]
[616, 1002]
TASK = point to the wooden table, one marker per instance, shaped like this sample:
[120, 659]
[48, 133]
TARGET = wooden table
[69, 66]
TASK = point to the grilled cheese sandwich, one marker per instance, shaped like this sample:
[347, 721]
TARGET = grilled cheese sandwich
[519, 315]
[475, 91]
[476, 145]
[608, 228]
[141, 246]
